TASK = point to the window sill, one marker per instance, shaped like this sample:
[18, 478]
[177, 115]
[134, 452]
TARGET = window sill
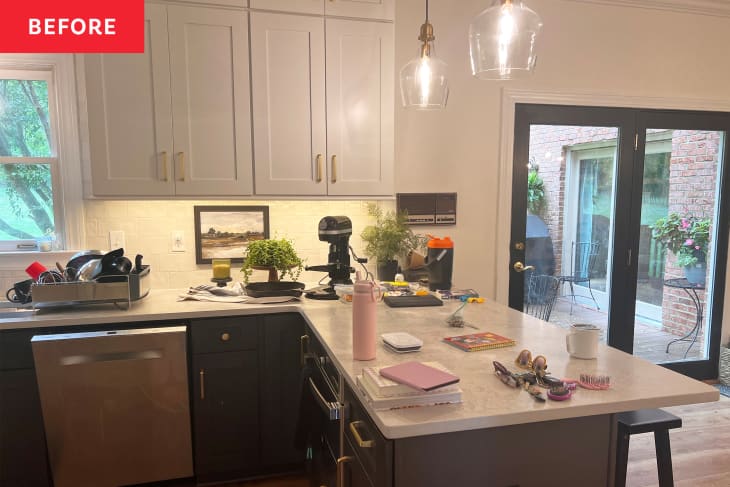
[18, 261]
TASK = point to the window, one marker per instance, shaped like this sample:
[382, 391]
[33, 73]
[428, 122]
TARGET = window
[30, 203]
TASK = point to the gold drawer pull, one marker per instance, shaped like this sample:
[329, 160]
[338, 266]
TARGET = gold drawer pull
[360, 442]
[225, 337]
[202, 384]
[334, 169]
[319, 168]
[341, 470]
[181, 158]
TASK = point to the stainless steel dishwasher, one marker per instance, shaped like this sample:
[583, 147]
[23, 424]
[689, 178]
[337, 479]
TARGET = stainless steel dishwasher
[115, 406]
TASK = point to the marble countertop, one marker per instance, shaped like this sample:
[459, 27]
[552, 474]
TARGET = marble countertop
[636, 383]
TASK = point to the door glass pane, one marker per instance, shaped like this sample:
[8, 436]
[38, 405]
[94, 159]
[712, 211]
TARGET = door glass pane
[570, 220]
[676, 247]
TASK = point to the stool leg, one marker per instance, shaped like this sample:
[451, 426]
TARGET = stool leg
[622, 457]
[663, 458]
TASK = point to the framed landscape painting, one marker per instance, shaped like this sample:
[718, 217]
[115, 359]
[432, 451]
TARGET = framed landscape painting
[225, 231]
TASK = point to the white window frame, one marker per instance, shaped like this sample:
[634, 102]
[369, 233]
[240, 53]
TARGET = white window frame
[65, 150]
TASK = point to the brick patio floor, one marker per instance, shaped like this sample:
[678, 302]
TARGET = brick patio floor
[650, 342]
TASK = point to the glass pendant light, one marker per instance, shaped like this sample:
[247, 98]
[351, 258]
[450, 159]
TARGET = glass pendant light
[423, 83]
[502, 40]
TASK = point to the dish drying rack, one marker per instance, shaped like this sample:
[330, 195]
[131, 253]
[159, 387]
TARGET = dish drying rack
[106, 289]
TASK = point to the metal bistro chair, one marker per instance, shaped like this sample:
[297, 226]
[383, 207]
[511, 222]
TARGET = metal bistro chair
[583, 258]
[542, 293]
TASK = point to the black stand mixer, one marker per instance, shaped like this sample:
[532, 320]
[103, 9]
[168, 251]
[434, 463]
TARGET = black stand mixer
[336, 230]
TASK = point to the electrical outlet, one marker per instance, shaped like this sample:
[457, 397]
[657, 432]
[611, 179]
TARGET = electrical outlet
[178, 242]
[116, 239]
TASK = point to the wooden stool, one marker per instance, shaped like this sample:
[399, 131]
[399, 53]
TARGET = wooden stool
[645, 421]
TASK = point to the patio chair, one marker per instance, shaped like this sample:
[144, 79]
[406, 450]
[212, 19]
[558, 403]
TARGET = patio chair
[582, 261]
[542, 292]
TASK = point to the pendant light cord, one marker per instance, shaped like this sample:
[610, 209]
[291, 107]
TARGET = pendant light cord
[427, 11]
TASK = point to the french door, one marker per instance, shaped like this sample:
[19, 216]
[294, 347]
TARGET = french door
[627, 210]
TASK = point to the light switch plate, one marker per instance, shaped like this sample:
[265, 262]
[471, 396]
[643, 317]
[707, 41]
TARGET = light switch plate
[177, 241]
[116, 239]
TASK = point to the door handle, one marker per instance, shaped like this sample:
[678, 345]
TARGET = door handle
[181, 158]
[341, 470]
[334, 169]
[319, 168]
[331, 409]
[202, 384]
[164, 165]
[520, 267]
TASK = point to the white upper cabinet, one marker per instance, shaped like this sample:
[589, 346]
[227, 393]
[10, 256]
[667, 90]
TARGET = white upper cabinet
[176, 119]
[360, 109]
[363, 9]
[313, 7]
[288, 84]
[322, 111]
[210, 101]
[130, 116]
[223, 3]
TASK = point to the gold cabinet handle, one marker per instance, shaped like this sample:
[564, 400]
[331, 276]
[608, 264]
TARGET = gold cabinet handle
[164, 165]
[334, 169]
[225, 337]
[303, 349]
[202, 384]
[358, 439]
[319, 168]
[520, 267]
[181, 159]
[341, 470]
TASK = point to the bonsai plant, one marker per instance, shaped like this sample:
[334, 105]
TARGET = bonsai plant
[688, 238]
[276, 256]
[389, 238]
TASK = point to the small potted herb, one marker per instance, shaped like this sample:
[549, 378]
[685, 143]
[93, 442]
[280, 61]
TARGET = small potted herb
[389, 238]
[276, 256]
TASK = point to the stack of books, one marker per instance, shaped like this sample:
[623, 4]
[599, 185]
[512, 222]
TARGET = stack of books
[383, 393]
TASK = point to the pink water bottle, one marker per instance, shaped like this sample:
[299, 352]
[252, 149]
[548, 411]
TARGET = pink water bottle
[364, 299]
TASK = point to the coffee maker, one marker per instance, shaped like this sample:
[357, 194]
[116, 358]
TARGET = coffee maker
[336, 230]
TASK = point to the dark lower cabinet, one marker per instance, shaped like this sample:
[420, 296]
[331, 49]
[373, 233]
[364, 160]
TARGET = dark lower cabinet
[23, 459]
[353, 472]
[280, 391]
[226, 414]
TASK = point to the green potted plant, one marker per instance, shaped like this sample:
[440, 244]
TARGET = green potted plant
[276, 256]
[389, 238]
[687, 237]
[535, 192]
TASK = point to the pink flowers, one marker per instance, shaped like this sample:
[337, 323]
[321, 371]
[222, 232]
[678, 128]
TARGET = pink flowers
[689, 242]
[685, 224]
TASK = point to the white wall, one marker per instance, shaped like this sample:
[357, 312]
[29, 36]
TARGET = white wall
[585, 48]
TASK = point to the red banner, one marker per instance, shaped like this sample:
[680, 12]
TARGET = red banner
[72, 26]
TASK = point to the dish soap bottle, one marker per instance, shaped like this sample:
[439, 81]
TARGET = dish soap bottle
[364, 300]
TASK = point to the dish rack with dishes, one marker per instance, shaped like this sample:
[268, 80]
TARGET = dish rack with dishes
[104, 290]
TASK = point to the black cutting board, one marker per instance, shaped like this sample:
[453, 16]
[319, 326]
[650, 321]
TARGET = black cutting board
[412, 301]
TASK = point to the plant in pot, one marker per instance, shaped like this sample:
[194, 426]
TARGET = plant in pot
[687, 237]
[275, 255]
[389, 238]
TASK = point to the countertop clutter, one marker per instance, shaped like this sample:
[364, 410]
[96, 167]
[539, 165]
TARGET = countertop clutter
[487, 403]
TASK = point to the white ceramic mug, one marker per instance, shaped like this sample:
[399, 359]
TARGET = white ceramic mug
[582, 341]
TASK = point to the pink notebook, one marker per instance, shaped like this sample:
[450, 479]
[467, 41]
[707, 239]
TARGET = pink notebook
[418, 375]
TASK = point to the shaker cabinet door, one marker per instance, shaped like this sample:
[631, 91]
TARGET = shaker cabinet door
[313, 7]
[226, 414]
[362, 9]
[130, 117]
[359, 107]
[210, 101]
[288, 86]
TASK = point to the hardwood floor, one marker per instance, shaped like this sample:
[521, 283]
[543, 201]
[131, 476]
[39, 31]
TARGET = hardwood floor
[699, 452]
[699, 449]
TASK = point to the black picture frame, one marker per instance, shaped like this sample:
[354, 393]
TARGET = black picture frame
[237, 225]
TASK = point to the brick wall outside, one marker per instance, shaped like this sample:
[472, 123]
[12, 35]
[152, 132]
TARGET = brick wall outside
[692, 182]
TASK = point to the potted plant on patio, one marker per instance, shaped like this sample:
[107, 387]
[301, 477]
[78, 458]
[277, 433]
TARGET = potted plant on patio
[389, 238]
[688, 238]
